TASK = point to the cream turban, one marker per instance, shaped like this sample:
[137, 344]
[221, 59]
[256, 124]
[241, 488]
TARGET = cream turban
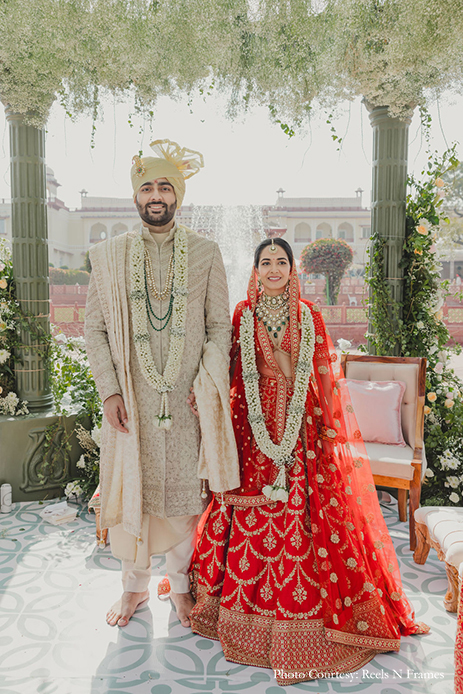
[173, 162]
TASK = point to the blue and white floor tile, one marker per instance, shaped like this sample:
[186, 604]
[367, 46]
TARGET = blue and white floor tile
[55, 587]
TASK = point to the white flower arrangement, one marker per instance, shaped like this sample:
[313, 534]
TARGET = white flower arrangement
[73, 489]
[11, 405]
[281, 454]
[164, 383]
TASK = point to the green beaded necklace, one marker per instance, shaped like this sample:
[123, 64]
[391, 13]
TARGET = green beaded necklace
[150, 311]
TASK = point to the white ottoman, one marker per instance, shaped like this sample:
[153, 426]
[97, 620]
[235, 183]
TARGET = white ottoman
[441, 527]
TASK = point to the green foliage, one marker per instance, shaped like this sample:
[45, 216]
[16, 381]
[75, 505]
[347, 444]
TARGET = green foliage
[69, 277]
[73, 387]
[87, 263]
[329, 257]
[74, 392]
[385, 314]
[420, 329]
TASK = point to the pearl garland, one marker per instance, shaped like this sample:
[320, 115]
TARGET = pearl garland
[281, 454]
[160, 296]
[164, 383]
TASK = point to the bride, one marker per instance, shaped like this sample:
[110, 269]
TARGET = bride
[295, 570]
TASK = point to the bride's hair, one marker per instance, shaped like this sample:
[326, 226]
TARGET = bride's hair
[278, 242]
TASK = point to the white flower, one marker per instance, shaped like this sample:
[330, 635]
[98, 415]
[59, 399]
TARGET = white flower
[420, 325]
[429, 472]
[81, 462]
[442, 356]
[439, 367]
[275, 493]
[453, 482]
[344, 345]
[454, 498]
[450, 395]
[96, 435]
[4, 355]
[73, 489]
[448, 461]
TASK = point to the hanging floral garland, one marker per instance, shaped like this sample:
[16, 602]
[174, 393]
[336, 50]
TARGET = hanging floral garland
[279, 453]
[162, 383]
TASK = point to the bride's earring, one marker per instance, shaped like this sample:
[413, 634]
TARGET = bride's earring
[259, 284]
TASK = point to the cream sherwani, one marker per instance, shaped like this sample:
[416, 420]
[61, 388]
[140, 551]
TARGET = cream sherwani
[168, 459]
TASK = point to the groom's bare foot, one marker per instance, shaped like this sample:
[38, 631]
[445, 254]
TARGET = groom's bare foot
[122, 610]
[184, 603]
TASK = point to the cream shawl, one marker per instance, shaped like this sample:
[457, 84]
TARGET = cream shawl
[120, 483]
[218, 456]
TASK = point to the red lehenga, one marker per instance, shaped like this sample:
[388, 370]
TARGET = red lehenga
[310, 587]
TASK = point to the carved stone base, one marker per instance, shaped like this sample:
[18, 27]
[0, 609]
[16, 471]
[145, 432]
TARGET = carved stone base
[35, 468]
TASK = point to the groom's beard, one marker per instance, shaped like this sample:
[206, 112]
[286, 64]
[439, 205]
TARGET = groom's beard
[157, 219]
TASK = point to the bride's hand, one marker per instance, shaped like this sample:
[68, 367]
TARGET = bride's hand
[191, 400]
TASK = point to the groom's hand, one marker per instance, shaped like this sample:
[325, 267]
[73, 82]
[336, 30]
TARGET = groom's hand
[115, 412]
[191, 401]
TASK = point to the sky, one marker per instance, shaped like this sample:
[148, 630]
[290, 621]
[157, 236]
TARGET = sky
[246, 160]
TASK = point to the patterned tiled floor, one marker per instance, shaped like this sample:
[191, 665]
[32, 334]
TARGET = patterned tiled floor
[55, 587]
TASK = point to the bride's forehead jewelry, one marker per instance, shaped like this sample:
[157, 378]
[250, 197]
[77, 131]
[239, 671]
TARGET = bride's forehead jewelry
[273, 248]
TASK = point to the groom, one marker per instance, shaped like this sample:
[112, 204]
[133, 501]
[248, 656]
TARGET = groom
[157, 318]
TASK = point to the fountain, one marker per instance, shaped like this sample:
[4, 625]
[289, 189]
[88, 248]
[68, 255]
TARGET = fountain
[237, 230]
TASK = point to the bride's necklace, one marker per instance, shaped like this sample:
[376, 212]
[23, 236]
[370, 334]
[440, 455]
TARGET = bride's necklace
[273, 311]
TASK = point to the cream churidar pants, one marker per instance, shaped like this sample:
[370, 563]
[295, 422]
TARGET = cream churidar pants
[174, 537]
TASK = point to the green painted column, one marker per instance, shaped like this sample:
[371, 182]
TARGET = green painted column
[388, 194]
[30, 253]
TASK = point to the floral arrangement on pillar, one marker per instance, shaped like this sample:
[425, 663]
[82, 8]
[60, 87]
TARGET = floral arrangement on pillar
[10, 315]
[329, 257]
[73, 387]
[422, 331]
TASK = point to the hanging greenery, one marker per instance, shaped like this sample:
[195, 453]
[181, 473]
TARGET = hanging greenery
[281, 53]
[422, 331]
[329, 257]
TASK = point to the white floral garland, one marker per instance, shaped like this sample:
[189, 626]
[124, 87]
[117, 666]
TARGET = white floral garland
[279, 453]
[162, 383]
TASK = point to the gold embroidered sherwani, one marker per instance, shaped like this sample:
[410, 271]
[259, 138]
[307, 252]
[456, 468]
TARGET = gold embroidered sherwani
[169, 459]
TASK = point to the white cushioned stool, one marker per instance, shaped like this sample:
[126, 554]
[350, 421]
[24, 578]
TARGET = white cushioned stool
[441, 527]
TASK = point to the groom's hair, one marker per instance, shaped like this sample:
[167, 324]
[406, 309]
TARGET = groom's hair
[278, 242]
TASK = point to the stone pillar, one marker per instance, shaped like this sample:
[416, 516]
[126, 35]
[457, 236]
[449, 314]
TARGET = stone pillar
[388, 194]
[30, 253]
